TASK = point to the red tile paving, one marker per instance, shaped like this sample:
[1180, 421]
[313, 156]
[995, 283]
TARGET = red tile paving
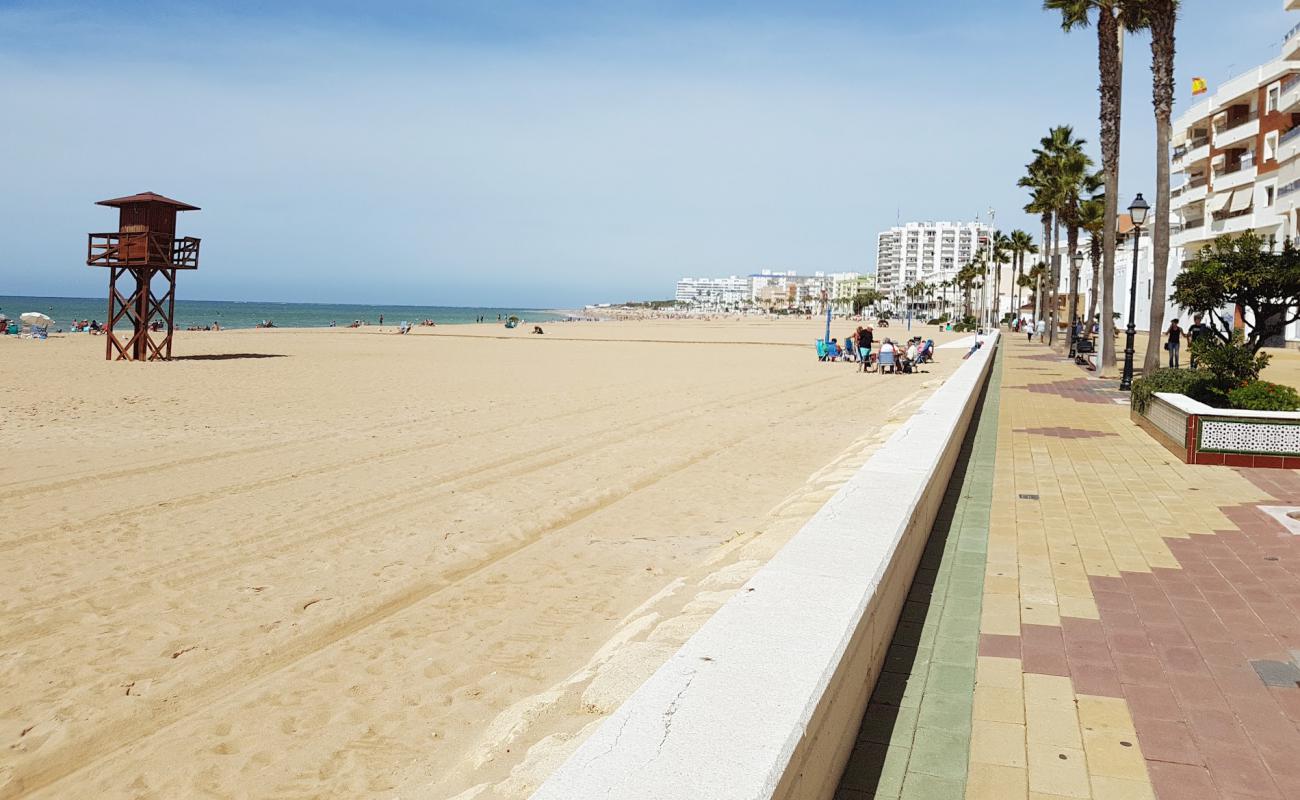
[1080, 390]
[1178, 644]
[1065, 433]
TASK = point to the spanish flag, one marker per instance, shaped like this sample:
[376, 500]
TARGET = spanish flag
[1199, 86]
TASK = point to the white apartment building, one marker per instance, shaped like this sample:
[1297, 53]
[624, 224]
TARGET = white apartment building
[1237, 159]
[925, 251]
[771, 289]
[714, 294]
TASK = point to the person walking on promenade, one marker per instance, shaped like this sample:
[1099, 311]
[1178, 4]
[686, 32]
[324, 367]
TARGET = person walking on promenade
[1041, 330]
[1173, 343]
[1198, 332]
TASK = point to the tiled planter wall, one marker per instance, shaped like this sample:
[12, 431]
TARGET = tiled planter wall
[1201, 434]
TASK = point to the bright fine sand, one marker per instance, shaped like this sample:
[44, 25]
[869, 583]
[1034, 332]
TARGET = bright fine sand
[367, 565]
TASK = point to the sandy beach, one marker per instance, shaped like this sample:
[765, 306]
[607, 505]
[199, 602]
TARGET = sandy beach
[351, 564]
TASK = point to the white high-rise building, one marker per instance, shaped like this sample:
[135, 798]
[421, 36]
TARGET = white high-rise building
[925, 251]
[716, 294]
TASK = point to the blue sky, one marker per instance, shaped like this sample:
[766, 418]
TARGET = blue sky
[511, 153]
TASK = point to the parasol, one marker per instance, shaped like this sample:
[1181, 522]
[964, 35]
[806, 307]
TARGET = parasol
[36, 319]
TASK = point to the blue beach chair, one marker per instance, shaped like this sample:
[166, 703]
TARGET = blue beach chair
[822, 352]
[886, 359]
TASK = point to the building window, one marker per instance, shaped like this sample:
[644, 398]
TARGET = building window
[1274, 95]
[1268, 195]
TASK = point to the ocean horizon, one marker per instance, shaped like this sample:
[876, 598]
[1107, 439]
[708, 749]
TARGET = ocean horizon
[248, 314]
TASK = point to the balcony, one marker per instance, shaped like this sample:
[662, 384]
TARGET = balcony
[1194, 191]
[1194, 151]
[1291, 5]
[1288, 145]
[1243, 128]
[1193, 230]
[1240, 175]
[137, 249]
[1291, 45]
[1289, 100]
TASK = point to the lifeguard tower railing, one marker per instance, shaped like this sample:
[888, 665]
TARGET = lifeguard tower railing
[142, 249]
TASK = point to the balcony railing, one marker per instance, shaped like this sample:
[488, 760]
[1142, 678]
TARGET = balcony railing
[1291, 34]
[1289, 135]
[1232, 124]
[1290, 188]
[1290, 83]
[142, 249]
[1194, 183]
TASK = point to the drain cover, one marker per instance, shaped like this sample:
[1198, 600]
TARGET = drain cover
[1282, 674]
[1028, 497]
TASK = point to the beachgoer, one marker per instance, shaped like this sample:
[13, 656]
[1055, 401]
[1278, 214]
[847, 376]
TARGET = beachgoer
[1198, 332]
[1041, 330]
[1174, 342]
[888, 346]
[538, 329]
[833, 350]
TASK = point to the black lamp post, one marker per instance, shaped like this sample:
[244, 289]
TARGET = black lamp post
[1076, 266]
[1138, 213]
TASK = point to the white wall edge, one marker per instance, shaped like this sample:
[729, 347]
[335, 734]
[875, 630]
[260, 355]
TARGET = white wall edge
[765, 700]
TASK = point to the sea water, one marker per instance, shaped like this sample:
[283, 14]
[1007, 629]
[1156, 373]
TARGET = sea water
[201, 313]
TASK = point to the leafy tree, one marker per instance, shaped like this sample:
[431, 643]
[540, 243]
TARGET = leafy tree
[1242, 272]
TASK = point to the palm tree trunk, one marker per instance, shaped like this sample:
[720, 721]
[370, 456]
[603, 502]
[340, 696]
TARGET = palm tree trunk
[1055, 272]
[1040, 302]
[1111, 64]
[1017, 260]
[1073, 313]
[1096, 278]
[1164, 16]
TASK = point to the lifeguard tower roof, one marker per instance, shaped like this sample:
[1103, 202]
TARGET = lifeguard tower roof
[147, 197]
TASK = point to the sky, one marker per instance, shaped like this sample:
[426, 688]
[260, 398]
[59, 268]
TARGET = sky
[546, 154]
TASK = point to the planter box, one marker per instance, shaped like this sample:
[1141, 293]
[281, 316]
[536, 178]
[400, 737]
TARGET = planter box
[1201, 434]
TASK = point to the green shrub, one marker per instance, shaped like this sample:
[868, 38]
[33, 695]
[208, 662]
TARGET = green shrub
[1196, 384]
[1264, 396]
[1231, 363]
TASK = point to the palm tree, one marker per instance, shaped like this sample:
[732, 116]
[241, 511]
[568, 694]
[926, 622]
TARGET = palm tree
[1092, 218]
[1057, 174]
[1161, 16]
[1113, 16]
[1039, 203]
[1082, 193]
[1022, 244]
[1000, 252]
[1037, 275]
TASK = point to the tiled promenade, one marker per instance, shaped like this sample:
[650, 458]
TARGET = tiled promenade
[1092, 617]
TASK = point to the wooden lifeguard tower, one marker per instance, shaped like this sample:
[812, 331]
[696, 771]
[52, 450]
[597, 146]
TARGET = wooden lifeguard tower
[145, 247]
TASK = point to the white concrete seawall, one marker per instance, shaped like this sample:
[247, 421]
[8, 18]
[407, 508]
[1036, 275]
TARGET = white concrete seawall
[766, 699]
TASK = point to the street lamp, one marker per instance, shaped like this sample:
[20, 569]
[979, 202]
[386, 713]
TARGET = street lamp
[1076, 264]
[1137, 211]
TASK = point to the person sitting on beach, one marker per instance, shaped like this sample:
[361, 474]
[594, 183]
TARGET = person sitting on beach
[538, 329]
[888, 347]
[910, 356]
[833, 350]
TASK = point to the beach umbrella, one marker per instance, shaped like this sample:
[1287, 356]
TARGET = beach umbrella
[36, 319]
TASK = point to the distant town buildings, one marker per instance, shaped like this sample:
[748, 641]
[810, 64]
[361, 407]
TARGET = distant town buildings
[929, 252]
[771, 291]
